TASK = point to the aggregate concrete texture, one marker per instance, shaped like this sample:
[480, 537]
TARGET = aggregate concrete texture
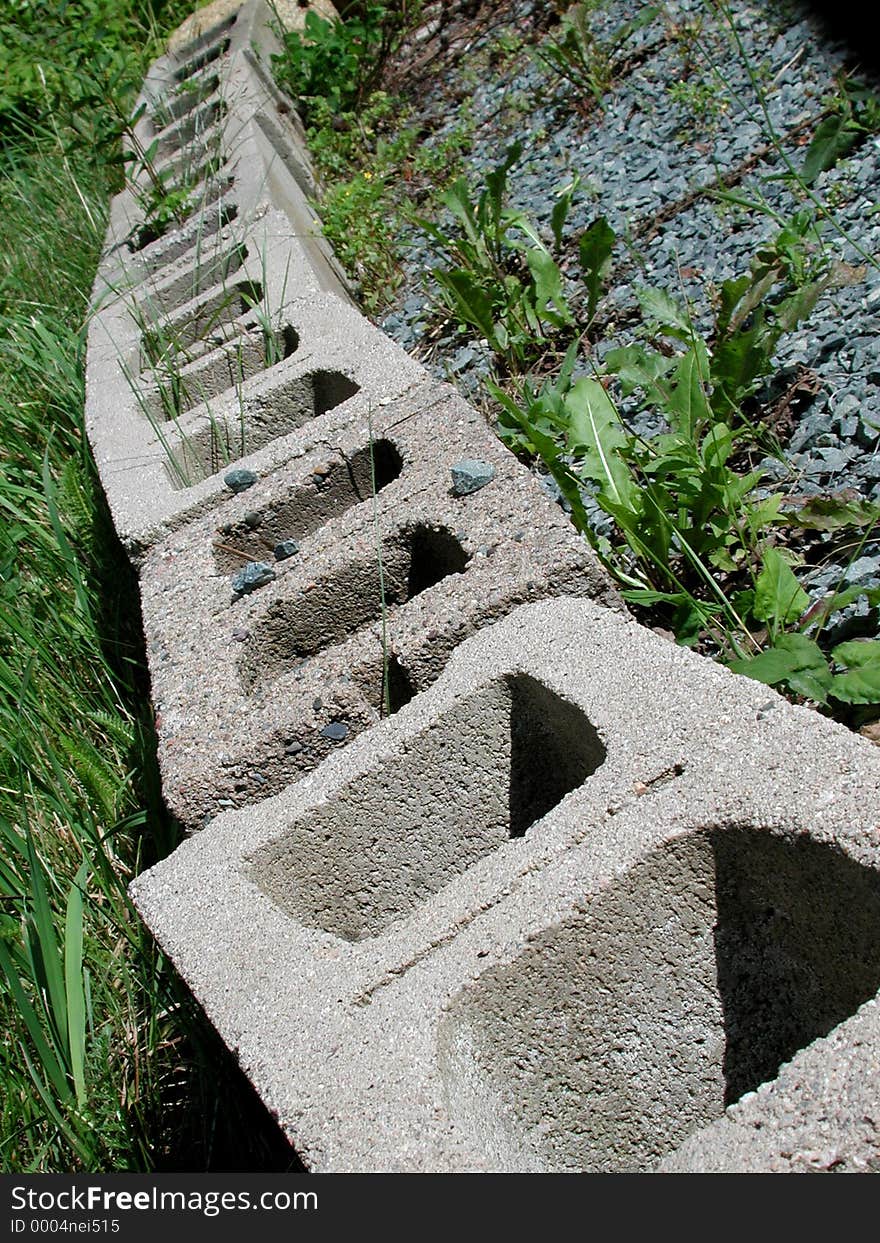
[392, 571]
[243, 274]
[560, 912]
[579, 899]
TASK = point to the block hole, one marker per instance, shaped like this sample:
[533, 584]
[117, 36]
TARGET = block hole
[191, 128]
[225, 437]
[212, 220]
[189, 168]
[340, 484]
[682, 984]
[201, 60]
[178, 103]
[543, 725]
[385, 683]
[209, 269]
[173, 390]
[156, 227]
[207, 40]
[395, 836]
[335, 606]
[435, 553]
[400, 689]
[330, 389]
[171, 338]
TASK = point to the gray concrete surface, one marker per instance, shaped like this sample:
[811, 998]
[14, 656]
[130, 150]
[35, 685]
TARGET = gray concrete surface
[560, 912]
[246, 686]
[584, 900]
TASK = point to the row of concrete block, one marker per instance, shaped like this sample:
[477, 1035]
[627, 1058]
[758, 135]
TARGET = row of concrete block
[487, 876]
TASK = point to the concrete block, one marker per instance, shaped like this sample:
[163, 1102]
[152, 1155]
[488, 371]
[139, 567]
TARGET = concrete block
[562, 911]
[539, 893]
[246, 684]
[188, 326]
[205, 21]
[162, 437]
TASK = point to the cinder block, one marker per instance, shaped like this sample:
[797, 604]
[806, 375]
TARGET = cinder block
[250, 689]
[562, 911]
[192, 329]
[158, 472]
[818, 1116]
[581, 900]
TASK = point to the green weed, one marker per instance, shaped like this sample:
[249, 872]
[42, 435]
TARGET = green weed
[500, 279]
[373, 166]
[587, 63]
[105, 1062]
[341, 62]
[697, 542]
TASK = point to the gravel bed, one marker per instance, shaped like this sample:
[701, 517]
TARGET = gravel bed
[646, 152]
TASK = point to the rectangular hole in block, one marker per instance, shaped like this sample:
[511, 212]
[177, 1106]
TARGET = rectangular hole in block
[190, 168]
[340, 484]
[196, 203]
[172, 392]
[680, 985]
[191, 128]
[343, 601]
[209, 269]
[201, 60]
[158, 251]
[184, 99]
[329, 390]
[394, 837]
[226, 438]
[207, 39]
[172, 336]
[396, 688]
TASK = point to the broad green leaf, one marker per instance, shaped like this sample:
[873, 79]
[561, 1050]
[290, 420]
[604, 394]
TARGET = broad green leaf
[800, 304]
[596, 431]
[834, 137]
[830, 513]
[657, 305]
[688, 407]
[467, 299]
[860, 684]
[549, 452]
[738, 362]
[549, 292]
[561, 208]
[813, 683]
[822, 609]
[491, 205]
[794, 660]
[779, 597]
[717, 445]
[565, 371]
[594, 250]
[457, 200]
[637, 367]
[764, 512]
[645, 595]
[688, 622]
[732, 293]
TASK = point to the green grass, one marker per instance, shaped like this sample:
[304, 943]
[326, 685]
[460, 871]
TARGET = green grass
[105, 1061]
